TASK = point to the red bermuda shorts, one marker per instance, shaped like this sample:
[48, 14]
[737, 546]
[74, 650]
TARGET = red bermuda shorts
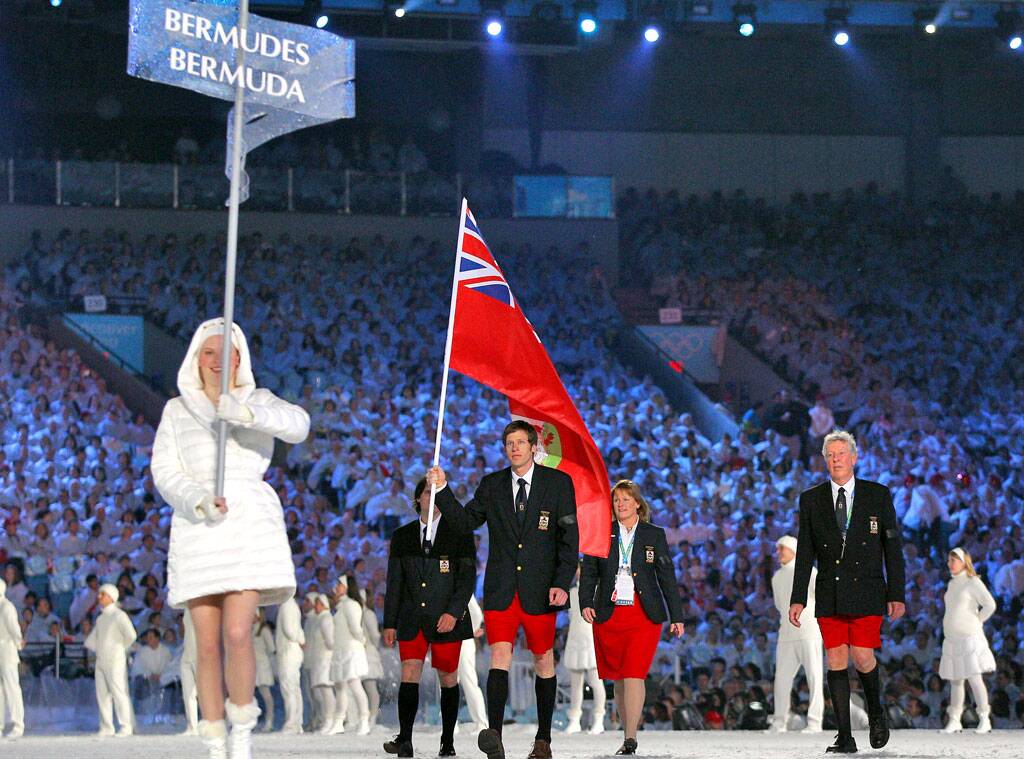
[843, 629]
[503, 625]
[444, 657]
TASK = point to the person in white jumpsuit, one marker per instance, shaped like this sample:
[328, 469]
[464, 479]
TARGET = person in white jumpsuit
[966, 654]
[375, 671]
[188, 676]
[581, 661]
[290, 640]
[467, 674]
[321, 649]
[11, 642]
[228, 553]
[349, 664]
[110, 640]
[309, 621]
[797, 646]
[263, 645]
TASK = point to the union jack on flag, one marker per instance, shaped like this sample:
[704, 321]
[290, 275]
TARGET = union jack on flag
[477, 268]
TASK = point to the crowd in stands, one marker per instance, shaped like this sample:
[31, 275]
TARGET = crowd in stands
[851, 298]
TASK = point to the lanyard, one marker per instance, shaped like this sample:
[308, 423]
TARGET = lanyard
[625, 551]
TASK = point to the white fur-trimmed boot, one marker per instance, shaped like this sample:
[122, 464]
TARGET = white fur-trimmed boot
[215, 738]
[953, 725]
[984, 723]
[243, 720]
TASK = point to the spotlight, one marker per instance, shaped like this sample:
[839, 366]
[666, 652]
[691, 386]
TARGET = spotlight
[1008, 26]
[493, 13]
[313, 13]
[652, 34]
[925, 18]
[586, 15]
[400, 12]
[744, 15]
[321, 21]
[1015, 42]
[837, 24]
[494, 27]
[55, 3]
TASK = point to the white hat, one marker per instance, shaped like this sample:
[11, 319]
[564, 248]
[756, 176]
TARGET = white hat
[110, 590]
[322, 598]
[788, 541]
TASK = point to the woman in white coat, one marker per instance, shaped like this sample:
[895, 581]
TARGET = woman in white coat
[349, 664]
[375, 671]
[581, 661]
[228, 555]
[965, 651]
[321, 651]
[110, 639]
[264, 648]
[290, 640]
[11, 642]
[309, 621]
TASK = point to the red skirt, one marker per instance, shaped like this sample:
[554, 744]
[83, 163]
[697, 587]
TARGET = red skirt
[626, 643]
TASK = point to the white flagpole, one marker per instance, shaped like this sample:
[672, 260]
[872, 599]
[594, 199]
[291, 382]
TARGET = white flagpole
[232, 254]
[431, 526]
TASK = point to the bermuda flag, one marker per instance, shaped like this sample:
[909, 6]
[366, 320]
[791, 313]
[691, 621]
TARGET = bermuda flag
[493, 342]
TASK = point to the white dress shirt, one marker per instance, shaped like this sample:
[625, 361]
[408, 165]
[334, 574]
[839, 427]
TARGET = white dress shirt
[848, 489]
[529, 482]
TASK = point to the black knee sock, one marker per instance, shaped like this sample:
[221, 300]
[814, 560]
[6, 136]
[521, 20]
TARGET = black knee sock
[839, 688]
[545, 688]
[497, 697]
[449, 712]
[872, 685]
[408, 703]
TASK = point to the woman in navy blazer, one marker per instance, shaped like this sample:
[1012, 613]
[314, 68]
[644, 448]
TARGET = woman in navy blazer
[628, 597]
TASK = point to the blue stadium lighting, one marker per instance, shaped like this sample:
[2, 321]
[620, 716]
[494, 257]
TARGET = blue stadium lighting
[321, 21]
[652, 34]
[588, 25]
[1015, 42]
[494, 28]
[746, 29]
[930, 28]
[56, 3]
[841, 38]
[400, 12]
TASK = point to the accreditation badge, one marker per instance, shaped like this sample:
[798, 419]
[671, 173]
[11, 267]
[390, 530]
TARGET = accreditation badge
[445, 565]
[649, 554]
[873, 522]
[544, 521]
[623, 595]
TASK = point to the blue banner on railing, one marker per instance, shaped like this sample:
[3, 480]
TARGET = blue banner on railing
[121, 336]
[292, 76]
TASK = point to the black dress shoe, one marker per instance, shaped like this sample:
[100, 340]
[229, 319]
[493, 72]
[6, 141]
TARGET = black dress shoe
[447, 749]
[628, 747]
[878, 730]
[489, 741]
[402, 748]
[845, 744]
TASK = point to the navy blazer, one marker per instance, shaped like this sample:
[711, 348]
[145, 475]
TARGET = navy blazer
[654, 577]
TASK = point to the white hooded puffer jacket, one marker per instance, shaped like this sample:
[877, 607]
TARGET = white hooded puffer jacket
[248, 549]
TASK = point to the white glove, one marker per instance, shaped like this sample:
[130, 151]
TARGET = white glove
[232, 411]
[207, 509]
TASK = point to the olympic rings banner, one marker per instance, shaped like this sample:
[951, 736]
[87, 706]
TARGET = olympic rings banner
[292, 76]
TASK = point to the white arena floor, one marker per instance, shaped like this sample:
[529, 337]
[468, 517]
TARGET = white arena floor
[911, 744]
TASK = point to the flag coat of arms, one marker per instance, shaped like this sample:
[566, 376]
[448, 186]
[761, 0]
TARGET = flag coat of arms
[493, 342]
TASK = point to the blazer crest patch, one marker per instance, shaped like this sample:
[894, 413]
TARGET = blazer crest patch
[873, 523]
[444, 565]
[649, 554]
[544, 521]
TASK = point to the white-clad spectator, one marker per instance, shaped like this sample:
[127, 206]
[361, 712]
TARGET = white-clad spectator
[290, 640]
[11, 643]
[111, 638]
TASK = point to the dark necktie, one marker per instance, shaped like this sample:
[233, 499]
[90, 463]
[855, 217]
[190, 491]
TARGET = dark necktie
[841, 512]
[521, 502]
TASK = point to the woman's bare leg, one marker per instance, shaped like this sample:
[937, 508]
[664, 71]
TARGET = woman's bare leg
[239, 654]
[206, 616]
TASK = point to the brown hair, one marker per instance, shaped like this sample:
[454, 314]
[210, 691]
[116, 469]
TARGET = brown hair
[633, 490]
[518, 425]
